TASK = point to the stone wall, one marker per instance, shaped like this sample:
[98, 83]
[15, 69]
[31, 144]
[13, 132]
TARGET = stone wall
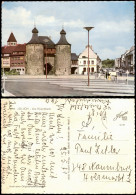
[63, 60]
[50, 60]
[34, 59]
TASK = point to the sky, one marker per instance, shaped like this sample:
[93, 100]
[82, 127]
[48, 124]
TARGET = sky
[113, 23]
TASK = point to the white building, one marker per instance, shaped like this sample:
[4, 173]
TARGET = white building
[94, 61]
[127, 60]
[117, 63]
[130, 59]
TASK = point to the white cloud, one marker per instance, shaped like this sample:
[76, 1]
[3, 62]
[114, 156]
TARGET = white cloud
[43, 20]
[115, 27]
[74, 23]
[112, 53]
[112, 35]
[17, 16]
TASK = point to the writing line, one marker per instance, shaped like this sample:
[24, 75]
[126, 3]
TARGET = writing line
[108, 171]
[97, 140]
[27, 186]
[100, 154]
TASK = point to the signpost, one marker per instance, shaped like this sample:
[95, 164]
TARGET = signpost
[46, 41]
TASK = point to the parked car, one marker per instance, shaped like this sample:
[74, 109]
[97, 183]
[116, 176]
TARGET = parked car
[121, 71]
[131, 72]
[112, 73]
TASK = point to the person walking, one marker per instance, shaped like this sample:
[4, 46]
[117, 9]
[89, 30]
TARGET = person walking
[106, 74]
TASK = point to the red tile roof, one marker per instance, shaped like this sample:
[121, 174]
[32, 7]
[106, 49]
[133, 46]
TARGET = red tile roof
[11, 49]
[12, 38]
[7, 49]
[20, 47]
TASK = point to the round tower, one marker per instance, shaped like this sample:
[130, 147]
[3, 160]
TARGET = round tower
[34, 55]
[63, 56]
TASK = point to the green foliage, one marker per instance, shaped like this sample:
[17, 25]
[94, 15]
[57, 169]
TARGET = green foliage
[12, 72]
[1, 71]
[108, 63]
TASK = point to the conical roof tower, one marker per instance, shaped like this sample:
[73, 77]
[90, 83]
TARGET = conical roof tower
[35, 39]
[11, 40]
[35, 55]
[63, 55]
[63, 40]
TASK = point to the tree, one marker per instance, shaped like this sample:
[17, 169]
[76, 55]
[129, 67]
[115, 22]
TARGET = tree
[108, 63]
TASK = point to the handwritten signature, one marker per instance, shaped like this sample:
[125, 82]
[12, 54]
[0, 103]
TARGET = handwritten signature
[88, 122]
[121, 115]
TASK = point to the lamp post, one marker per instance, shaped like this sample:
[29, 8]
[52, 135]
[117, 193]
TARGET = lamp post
[88, 29]
[3, 82]
[127, 76]
[46, 41]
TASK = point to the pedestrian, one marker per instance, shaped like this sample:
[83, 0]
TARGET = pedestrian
[109, 76]
[106, 74]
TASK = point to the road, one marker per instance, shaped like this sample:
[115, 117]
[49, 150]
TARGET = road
[40, 87]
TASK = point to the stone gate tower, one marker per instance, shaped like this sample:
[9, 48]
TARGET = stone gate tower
[63, 56]
[34, 55]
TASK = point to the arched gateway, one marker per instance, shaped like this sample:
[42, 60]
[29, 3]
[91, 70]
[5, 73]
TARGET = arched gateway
[41, 50]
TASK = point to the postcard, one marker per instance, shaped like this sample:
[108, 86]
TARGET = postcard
[68, 49]
[67, 145]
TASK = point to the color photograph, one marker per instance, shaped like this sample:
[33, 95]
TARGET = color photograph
[67, 49]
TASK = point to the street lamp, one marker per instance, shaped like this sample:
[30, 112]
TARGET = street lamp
[3, 81]
[127, 76]
[46, 41]
[88, 29]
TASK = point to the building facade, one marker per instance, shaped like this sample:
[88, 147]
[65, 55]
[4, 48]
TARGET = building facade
[126, 60]
[117, 63]
[42, 53]
[74, 63]
[5, 60]
[49, 54]
[41, 56]
[17, 58]
[13, 58]
[94, 61]
[130, 60]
